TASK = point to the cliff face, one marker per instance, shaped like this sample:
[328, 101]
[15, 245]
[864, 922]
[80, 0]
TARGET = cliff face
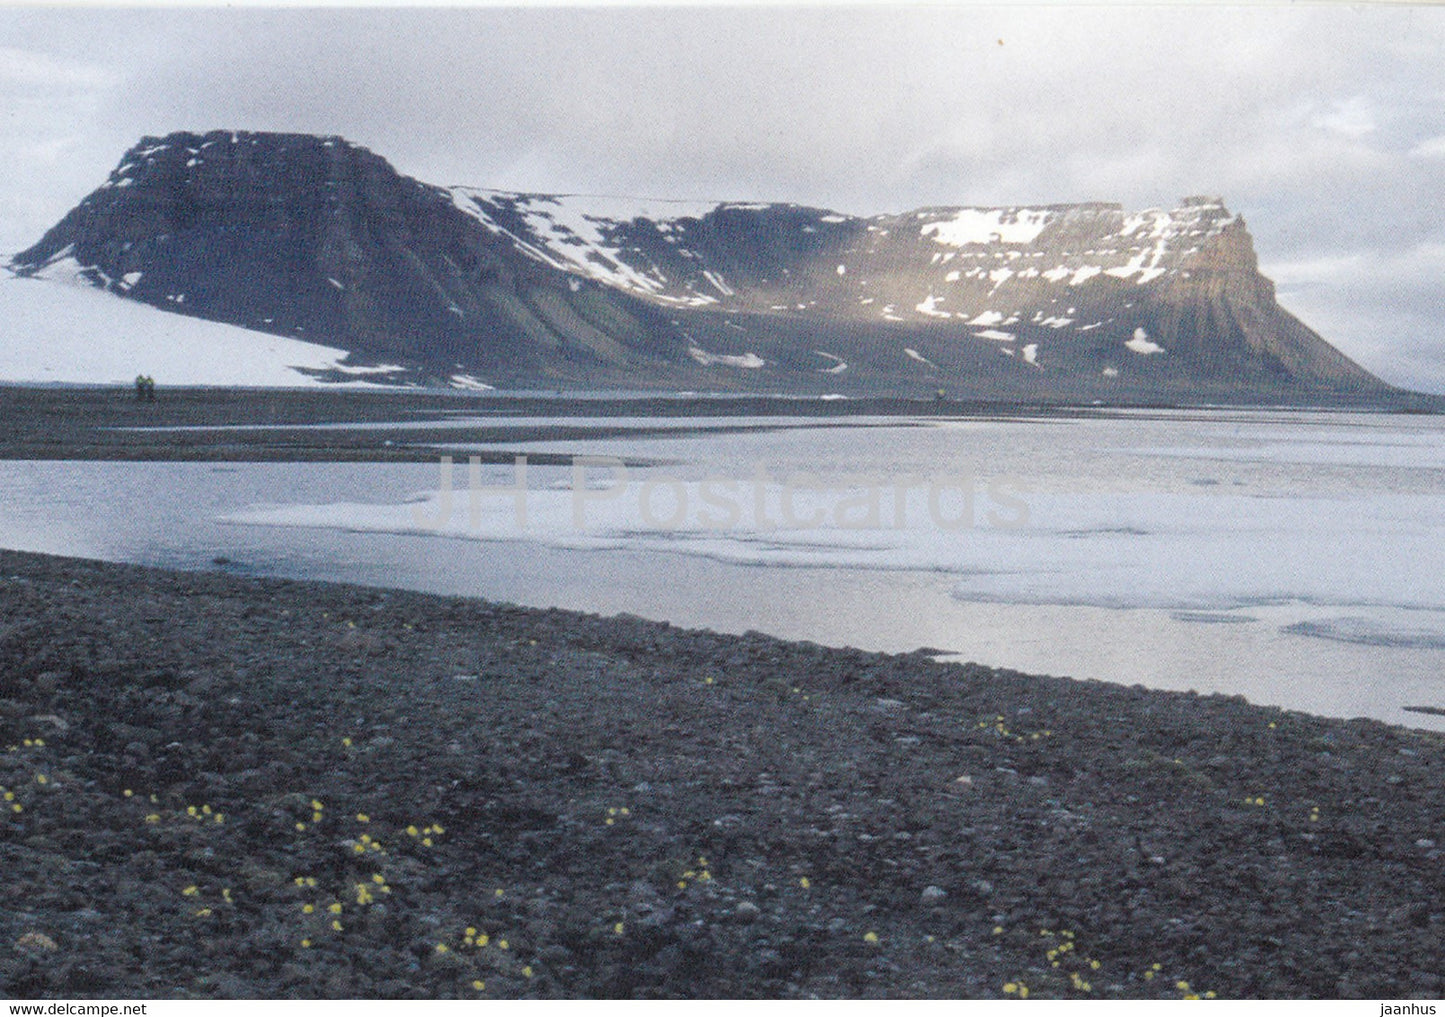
[318, 239]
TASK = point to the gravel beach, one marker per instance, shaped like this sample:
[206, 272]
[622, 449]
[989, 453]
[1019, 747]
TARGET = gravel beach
[226, 787]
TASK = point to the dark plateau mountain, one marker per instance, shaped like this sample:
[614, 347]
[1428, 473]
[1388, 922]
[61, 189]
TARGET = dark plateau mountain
[314, 238]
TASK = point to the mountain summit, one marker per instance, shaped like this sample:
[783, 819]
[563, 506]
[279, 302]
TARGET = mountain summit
[315, 238]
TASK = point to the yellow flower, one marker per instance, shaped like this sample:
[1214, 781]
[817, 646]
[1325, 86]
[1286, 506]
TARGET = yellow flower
[804, 883]
[441, 948]
[483, 940]
[870, 937]
[378, 878]
[307, 909]
[412, 831]
[128, 792]
[479, 985]
[362, 817]
[191, 891]
[1010, 988]
[336, 925]
[40, 778]
[527, 971]
[346, 743]
[617, 929]
[502, 945]
[306, 943]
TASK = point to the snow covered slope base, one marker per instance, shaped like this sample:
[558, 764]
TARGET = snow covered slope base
[65, 334]
[319, 240]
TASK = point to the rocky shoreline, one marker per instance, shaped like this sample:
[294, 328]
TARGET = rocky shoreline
[227, 787]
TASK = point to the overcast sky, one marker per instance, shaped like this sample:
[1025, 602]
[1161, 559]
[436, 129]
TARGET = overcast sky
[1323, 126]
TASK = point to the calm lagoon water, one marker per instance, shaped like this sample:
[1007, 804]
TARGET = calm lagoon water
[1295, 558]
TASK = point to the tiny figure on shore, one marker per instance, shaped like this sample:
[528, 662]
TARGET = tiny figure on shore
[145, 388]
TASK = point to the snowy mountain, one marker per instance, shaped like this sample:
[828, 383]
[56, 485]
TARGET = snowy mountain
[319, 240]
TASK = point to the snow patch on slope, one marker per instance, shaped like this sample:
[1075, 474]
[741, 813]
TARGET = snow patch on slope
[989, 226]
[82, 335]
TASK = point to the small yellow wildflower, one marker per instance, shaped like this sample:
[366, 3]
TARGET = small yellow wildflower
[334, 907]
[503, 945]
[336, 925]
[191, 891]
[442, 948]
[482, 940]
[378, 878]
[307, 909]
[617, 929]
[870, 937]
[804, 883]
[128, 792]
[527, 971]
[362, 817]
[306, 944]
[40, 778]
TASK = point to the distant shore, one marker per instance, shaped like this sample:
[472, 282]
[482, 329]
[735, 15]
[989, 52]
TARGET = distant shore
[204, 773]
[279, 425]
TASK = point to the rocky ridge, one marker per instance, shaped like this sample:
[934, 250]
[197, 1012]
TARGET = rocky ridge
[318, 239]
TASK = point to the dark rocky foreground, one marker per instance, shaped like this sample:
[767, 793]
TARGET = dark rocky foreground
[202, 774]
